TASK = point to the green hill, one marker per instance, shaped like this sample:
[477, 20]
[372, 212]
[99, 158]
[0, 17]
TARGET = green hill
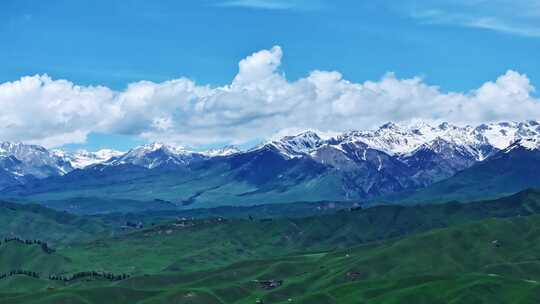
[207, 243]
[480, 252]
[459, 264]
[15, 255]
[190, 245]
[29, 221]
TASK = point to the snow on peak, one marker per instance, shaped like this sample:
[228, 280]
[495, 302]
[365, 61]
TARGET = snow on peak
[35, 160]
[154, 155]
[400, 140]
[297, 145]
[532, 143]
[146, 149]
[390, 126]
[501, 135]
[155, 146]
[303, 141]
[397, 139]
[391, 138]
[225, 151]
[21, 151]
[403, 139]
[82, 158]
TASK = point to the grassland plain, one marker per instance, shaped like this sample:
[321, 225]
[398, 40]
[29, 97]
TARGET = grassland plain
[481, 252]
[458, 264]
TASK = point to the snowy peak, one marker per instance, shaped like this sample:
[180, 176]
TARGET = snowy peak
[501, 135]
[304, 137]
[35, 160]
[396, 139]
[153, 147]
[225, 151]
[402, 140]
[304, 142]
[426, 147]
[437, 145]
[532, 143]
[389, 126]
[81, 159]
[389, 138]
[296, 145]
[105, 154]
[156, 155]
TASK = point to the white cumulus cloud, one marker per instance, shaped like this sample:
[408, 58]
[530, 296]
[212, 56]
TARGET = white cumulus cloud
[52, 112]
[258, 103]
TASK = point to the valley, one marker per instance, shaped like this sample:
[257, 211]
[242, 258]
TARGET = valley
[375, 255]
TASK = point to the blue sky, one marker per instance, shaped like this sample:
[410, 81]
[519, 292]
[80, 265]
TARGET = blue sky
[454, 45]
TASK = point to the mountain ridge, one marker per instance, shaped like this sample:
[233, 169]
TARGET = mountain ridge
[355, 165]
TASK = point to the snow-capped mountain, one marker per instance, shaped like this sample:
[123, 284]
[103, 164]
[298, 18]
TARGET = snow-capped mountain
[532, 143]
[481, 140]
[20, 163]
[390, 138]
[225, 151]
[403, 141]
[81, 159]
[294, 146]
[388, 159]
[156, 155]
[509, 170]
[34, 160]
[503, 134]
[529, 143]
[426, 153]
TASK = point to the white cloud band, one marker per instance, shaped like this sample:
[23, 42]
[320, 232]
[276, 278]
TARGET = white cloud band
[259, 102]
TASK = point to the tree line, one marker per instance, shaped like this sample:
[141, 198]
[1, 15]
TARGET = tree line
[11, 273]
[44, 246]
[68, 278]
[92, 274]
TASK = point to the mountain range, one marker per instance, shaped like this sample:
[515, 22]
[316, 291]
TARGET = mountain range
[391, 163]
